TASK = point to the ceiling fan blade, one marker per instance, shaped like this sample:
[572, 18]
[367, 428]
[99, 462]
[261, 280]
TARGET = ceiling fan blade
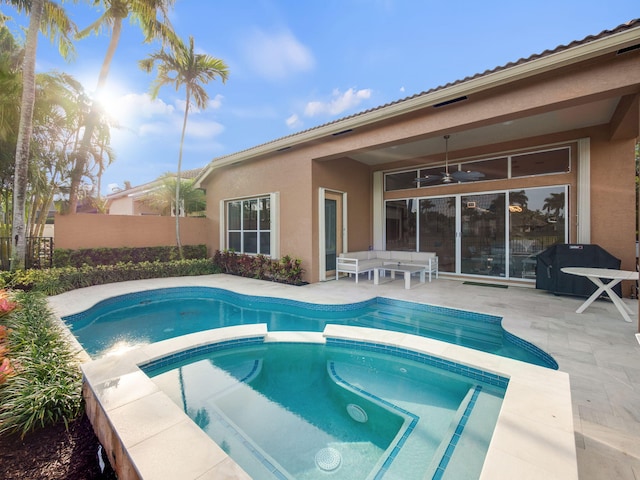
[428, 179]
[463, 176]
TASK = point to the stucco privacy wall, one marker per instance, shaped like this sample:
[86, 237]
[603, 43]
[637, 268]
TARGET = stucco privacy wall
[96, 231]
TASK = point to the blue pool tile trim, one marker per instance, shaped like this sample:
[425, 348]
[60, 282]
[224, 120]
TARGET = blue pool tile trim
[413, 420]
[448, 454]
[548, 359]
[470, 372]
[149, 367]
[273, 469]
[254, 301]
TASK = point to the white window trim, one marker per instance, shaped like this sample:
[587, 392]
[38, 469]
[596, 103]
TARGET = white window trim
[322, 244]
[274, 230]
[583, 207]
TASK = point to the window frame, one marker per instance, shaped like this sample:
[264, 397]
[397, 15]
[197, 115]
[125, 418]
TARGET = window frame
[242, 232]
[463, 164]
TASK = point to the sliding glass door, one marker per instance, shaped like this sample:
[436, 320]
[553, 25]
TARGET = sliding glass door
[437, 232]
[495, 234]
[483, 234]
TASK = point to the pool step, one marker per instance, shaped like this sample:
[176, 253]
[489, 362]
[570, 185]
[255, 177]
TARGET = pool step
[460, 331]
[461, 454]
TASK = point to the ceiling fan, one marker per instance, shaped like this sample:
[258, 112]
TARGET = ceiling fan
[447, 176]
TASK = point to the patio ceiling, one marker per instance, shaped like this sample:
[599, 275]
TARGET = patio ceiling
[567, 119]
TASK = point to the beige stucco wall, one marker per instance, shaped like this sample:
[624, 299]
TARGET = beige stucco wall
[121, 206]
[95, 231]
[353, 179]
[299, 172]
[613, 199]
[130, 206]
[288, 175]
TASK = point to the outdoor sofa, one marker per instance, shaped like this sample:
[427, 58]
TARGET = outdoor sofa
[356, 263]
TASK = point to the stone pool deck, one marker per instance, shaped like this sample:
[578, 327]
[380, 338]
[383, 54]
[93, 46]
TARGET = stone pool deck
[597, 349]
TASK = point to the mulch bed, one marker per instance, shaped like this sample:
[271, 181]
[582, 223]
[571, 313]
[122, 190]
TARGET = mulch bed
[53, 453]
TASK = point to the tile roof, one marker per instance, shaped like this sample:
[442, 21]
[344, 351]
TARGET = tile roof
[635, 23]
[184, 175]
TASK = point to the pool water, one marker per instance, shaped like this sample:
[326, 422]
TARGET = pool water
[155, 315]
[315, 411]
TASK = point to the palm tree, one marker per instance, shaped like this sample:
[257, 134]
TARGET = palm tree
[145, 14]
[20, 178]
[50, 18]
[163, 198]
[182, 67]
[554, 202]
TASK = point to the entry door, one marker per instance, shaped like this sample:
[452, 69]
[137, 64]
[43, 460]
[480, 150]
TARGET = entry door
[332, 231]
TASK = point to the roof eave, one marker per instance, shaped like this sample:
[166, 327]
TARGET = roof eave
[504, 76]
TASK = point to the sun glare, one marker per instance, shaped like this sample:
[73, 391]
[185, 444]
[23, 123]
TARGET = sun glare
[112, 102]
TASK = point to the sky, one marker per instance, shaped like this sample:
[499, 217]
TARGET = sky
[294, 65]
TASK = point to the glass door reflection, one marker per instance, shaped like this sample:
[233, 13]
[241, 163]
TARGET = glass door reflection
[482, 238]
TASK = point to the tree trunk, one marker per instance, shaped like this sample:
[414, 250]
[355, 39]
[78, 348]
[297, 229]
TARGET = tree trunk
[83, 152]
[184, 129]
[25, 129]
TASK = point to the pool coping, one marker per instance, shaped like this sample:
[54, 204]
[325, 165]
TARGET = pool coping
[147, 436]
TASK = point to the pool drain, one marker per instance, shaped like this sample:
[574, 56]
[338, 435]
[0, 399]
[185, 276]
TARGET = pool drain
[357, 413]
[328, 459]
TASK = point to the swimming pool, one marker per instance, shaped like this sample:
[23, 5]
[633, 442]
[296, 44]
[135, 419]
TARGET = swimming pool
[147, 435]
[305, 411]
[154, 315]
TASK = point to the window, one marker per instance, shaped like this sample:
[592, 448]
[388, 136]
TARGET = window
[401, 180]
[496, 234]
[249, 225]
[542, 162]
[401, 224]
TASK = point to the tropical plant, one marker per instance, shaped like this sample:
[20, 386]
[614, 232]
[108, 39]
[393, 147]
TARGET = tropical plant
[163, 198]
[45, 387]
[182, 67]
[48, 17]
[144, 13]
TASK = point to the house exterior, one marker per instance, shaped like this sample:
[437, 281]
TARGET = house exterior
[485, 171]
[135, 200]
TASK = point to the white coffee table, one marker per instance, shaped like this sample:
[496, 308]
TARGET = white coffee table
[596, 275]
[407, 270]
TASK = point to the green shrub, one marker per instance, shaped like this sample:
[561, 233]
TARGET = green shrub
[111, 256]
[283, 270]
[59, 280]
[46, 386]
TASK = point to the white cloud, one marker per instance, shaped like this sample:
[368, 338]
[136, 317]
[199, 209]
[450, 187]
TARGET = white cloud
[135, 106]
[339, 103]
[294, 121]
[216, 102]
[154, 128]
[277, 56]
[203, 129]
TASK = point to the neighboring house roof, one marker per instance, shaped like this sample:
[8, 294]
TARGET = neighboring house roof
[621, 38]
[141, 190]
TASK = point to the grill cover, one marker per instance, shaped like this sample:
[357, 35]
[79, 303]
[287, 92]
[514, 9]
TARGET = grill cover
[550, 261]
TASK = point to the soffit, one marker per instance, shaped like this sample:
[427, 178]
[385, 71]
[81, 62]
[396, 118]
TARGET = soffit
[567, 119]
